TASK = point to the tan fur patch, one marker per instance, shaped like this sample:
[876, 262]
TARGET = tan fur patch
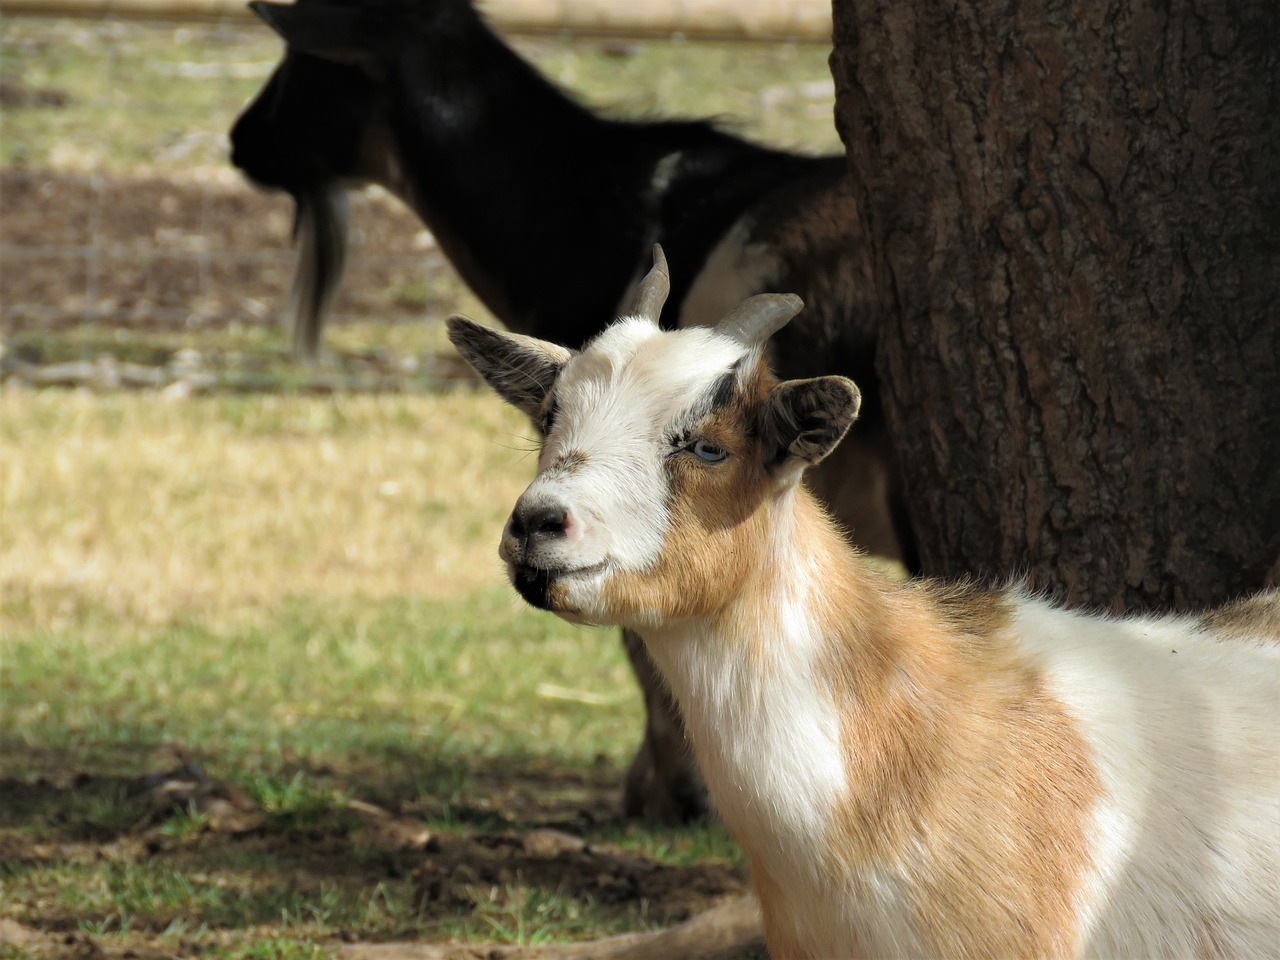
[778, 933]
[1256, 617]
[568, 462]
[716, 523]
[947, 735]
[1209, 944]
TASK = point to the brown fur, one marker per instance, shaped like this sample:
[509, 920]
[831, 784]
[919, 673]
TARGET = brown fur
[947, 732]
[569, 462]
[715, 520]
[1211, 946]
[1254, 618]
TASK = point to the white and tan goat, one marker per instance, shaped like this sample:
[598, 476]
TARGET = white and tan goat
[913, 770]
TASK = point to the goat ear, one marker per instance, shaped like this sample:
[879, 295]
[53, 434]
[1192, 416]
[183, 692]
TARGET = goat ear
[328, 31]
[521, 369]
[803, 420]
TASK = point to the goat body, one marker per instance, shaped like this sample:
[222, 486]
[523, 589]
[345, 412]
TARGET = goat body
[512, 176]
[912, 769]
[943, 771]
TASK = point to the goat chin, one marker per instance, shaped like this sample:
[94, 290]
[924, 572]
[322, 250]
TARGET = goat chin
[320, 235]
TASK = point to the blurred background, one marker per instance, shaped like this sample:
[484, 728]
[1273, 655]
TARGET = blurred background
[125, 227]
[262, 684]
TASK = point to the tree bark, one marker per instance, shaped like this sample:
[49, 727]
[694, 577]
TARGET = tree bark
[1074, 209]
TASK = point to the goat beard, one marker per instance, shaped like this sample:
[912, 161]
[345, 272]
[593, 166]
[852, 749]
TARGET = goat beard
[320, 235]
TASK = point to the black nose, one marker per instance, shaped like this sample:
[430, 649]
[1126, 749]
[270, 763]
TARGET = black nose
[540, 522]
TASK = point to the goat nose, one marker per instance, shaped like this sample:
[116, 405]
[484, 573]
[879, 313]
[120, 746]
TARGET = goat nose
[541, 521]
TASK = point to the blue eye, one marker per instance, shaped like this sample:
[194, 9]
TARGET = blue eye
[705, 450]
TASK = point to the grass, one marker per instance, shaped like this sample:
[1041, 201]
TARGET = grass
[302, 597]
[163, 511]
[358, 690]
[181, 544]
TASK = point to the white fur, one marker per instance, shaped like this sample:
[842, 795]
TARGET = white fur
[1181, 727]
[768, 743]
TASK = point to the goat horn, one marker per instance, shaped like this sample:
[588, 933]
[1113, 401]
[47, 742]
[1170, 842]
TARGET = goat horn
[758, 318]
[653, 288]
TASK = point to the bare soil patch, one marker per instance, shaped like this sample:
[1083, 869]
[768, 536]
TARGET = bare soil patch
[203, 250]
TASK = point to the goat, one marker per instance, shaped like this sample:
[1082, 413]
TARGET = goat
[913, 769]
[513, 178]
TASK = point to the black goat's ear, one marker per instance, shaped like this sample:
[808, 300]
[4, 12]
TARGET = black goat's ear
[328, 31]
[521, 369]
[803, 420]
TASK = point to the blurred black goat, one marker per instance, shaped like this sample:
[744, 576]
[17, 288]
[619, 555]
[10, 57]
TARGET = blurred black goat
[522, 187]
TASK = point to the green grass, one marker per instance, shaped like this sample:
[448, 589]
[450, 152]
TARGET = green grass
[208, 583]
[453, 685]
[415, 705]
[135, 95]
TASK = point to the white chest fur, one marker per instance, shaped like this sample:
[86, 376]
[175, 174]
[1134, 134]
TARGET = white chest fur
[769, 747]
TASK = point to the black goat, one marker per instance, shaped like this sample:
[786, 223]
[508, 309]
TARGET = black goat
[516, 180]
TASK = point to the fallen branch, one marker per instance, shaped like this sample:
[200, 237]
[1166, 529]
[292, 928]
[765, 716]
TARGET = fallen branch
[731, 931]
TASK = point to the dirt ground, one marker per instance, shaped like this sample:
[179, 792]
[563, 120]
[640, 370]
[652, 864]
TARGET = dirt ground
[142, 252]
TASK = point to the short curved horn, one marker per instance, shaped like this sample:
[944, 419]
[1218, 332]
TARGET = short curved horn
[758, 318]
[653, 288]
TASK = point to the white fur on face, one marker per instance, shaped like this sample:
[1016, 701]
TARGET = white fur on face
[604, 459]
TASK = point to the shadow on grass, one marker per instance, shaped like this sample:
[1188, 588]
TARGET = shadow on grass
[165, 856]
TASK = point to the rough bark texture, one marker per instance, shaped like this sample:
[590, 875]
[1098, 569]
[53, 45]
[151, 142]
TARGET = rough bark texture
[1075, 213]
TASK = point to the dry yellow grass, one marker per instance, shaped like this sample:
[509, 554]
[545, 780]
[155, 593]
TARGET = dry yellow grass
[214, 507]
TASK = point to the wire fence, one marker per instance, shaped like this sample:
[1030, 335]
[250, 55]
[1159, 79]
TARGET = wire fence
[119, 210]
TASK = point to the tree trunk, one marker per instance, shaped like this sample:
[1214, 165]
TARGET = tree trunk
[1075, 215]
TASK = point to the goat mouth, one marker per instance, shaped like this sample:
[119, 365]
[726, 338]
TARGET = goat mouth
[537, 585]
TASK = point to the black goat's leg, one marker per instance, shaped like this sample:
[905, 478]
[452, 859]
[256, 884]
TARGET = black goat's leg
[663, 784]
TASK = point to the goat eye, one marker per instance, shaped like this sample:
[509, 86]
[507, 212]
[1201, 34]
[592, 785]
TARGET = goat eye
[705, 450]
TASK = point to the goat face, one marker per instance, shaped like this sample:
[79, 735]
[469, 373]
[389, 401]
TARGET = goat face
[308, 128]
[324, 116]
[311, 125]
[661, 452]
